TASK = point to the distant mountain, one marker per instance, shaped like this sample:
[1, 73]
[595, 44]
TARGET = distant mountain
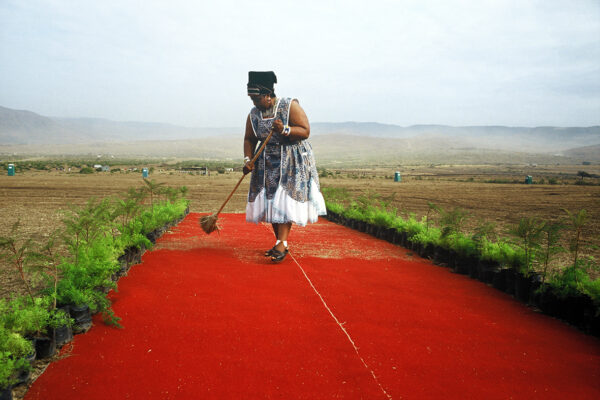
[27, 128]
[538, 139]
[586, 153]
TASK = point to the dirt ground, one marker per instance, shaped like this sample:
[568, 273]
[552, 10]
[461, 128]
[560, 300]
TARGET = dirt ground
[36, 198]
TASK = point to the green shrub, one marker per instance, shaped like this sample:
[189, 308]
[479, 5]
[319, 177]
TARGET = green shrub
[570, 281]
[26, 317]
[528, 234]
[86, 170]
[9, 368]
[428, 236]
[592, 289]
[334, 207]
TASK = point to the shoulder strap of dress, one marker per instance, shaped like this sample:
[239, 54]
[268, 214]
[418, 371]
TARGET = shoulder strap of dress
[284, 110]
[289, 107]
[254, 119]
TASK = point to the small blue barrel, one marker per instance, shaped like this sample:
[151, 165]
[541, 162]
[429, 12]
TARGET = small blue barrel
[11, 169]
[397, 177]
[144, 172]
[528, 179]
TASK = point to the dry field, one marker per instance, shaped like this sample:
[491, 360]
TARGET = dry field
[36, 198]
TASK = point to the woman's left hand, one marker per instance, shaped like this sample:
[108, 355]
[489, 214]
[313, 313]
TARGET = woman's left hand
[278, 126]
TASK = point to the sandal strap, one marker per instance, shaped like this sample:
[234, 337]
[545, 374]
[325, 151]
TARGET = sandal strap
[279, 255]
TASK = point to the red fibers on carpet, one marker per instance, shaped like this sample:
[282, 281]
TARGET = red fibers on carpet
[209, 317]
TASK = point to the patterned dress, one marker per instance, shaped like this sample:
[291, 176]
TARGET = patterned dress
[285, 184]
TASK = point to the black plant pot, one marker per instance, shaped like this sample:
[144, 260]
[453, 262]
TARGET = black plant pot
[499, 278]
[402, 237]
[421, 249]
[390, 235]
[473, 265]
[511, 278]
[380, 232]
[452, 259]
[418, 248]
[592, 321]
[549, 303]
[426, 250]
[63, 334]
[129, 257]
[535, 284]
[152, 236]
[82, 317]
[361, 226]
[377, 231]
[440, 255]
[522, 287]
[45, 346]
[573, 309]
[460, 264]
[6, 393]
[24, 375]
[383, 233]
[485, 270]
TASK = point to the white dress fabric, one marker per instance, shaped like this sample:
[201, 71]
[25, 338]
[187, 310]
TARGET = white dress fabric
[285, 184]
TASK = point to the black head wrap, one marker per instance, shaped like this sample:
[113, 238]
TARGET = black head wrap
[261, 82]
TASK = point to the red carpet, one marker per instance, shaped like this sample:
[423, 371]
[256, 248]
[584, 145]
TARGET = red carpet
[208, 317]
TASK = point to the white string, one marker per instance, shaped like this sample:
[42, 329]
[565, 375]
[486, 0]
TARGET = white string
[341, 327]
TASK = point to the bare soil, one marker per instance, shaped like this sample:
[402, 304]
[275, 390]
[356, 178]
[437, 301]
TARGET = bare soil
[37, 198]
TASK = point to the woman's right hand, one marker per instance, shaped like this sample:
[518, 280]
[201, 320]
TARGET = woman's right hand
[248, 167]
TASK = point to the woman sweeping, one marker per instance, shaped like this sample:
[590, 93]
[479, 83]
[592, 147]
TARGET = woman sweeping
[284, 187]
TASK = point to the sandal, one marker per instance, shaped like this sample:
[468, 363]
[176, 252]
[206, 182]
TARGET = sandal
[269, 252]
[278, 256]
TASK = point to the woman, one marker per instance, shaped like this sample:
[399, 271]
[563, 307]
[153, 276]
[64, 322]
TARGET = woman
[284, 187]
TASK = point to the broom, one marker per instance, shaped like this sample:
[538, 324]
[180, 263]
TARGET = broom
[209, 222]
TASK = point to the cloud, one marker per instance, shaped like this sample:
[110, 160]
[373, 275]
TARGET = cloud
[403, 62]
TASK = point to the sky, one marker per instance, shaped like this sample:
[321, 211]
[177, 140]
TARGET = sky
[451, 62]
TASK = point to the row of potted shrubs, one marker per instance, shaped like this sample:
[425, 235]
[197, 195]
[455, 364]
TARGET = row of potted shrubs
[568, 293]
[100, 242]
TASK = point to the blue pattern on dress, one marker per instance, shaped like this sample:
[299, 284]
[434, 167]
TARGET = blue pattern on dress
[284, 162]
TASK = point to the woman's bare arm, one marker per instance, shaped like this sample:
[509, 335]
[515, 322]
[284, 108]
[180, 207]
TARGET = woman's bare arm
[250, 140]
[300, 128]
[298, 121]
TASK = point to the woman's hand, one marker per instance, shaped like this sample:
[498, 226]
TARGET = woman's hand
[278, 126]
[248, 167]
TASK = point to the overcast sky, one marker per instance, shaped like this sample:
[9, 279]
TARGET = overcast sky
[517, 63]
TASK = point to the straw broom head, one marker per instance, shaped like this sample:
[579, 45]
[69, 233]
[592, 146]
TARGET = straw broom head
[209, 223]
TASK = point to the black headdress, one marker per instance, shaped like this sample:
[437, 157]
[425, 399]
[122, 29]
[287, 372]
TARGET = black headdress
[261, 82]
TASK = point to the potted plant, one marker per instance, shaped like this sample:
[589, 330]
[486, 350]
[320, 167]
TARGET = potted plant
[451, 223]
[16, 355]
[34, 320]
[528, 235]
[63, 331]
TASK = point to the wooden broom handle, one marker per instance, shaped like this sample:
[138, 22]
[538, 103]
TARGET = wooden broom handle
[260, 149]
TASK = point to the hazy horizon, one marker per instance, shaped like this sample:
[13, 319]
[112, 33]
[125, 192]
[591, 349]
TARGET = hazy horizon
[456, 63]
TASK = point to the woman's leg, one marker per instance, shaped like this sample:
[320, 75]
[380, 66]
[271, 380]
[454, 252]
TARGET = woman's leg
[268, 253]
[283, 230]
